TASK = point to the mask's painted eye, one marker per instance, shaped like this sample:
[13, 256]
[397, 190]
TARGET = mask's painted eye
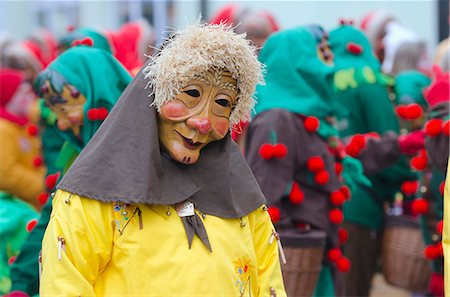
[223, 102]
[193, 93]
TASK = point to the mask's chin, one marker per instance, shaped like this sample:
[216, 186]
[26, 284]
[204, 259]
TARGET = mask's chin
[182, 155]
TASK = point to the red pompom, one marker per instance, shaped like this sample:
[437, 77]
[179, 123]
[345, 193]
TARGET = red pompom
[413, 111]
[442, 187]
[336, 216]
[296, 195]
[266, 151]
[401, 111]
[419, 163]
[338, 168]
[410, 187]
[32, 130]
[359, 140]
[352, 150]
[315, 164]
[42, 198]
[102, 113]
[280, 150]
[92, 114]
[433, 127]
[337, 198]
[11, 260]
[322, 177]
[31, 224]
[342, 235]
[346, 191]
[440, 227]
[311, 124]
[87, 41]
[38, 161]
[334, 254]
[432, 252]
[419, 206]
[354, 48]
[50, 180]
[343, 264]
[446, 128]
[274, 213]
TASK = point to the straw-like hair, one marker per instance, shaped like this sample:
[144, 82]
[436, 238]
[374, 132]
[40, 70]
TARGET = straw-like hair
[194, 51]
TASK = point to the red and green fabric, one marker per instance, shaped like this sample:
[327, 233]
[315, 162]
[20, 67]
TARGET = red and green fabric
[409, 87]
[99, 39]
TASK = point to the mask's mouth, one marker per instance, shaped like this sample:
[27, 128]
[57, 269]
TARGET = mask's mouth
[189, 143]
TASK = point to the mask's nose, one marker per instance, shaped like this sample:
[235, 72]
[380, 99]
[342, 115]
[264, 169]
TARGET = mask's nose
[203, 124]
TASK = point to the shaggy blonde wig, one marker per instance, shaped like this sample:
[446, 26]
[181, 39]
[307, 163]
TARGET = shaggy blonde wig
[194, 51]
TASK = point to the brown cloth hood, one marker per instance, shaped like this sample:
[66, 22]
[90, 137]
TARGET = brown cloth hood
[123, 163]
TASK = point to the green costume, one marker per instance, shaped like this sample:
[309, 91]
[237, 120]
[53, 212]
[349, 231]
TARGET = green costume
[101, 79]
[361, 89]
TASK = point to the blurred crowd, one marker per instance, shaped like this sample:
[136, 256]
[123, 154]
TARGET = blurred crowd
[349, 141]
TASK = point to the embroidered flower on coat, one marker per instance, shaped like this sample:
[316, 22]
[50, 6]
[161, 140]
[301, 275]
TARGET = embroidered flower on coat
[242, 268]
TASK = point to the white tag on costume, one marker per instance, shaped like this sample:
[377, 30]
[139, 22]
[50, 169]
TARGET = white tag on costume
[185, 209]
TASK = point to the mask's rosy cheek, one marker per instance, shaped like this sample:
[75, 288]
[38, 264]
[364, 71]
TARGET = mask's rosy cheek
[173, 109]
[221, 126]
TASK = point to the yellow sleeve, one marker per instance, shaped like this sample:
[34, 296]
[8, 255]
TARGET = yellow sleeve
[24, 182]
[77, 245]
[270, 279]
[446, 233]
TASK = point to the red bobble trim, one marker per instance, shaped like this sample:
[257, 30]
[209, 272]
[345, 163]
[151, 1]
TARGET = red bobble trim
[346, 191]
[410, 187]
[359, 140]
[419, 206]
[311, 124]
[442, 187]
[31, 224]
[50, 180]
[440, 227]
[32, 130]
[409, 112]
[433, 127]
[354, 48]
[86, 41]
[343, 264]
[280, 150]
[97, 114]
[42, 198]
[315, 164]
[352, 150]
[11, 260]
[433, 252]
[38, 161]
[334, 254]
[446, 128]
[322, 177]
[336, 216]
[337, 198]
[274, 213]
[419, 163]
[296, 195]
[338, 168]
[266, 151]
[342, 235]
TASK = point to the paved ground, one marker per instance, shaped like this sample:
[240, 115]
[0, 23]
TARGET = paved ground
[381, 289]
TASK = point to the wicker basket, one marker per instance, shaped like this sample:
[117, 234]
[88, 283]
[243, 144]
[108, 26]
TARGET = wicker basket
[404, 263]
[304, 253]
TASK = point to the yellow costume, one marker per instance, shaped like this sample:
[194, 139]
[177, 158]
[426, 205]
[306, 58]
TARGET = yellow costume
[133, 248]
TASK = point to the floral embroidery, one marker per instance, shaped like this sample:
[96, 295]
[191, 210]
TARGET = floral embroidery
[242, 267]
[122, 213]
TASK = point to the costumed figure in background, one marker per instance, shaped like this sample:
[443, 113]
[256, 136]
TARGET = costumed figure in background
[80, 87]
[162, 190]
[296, 155]
[372, 131]
[21, 170]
